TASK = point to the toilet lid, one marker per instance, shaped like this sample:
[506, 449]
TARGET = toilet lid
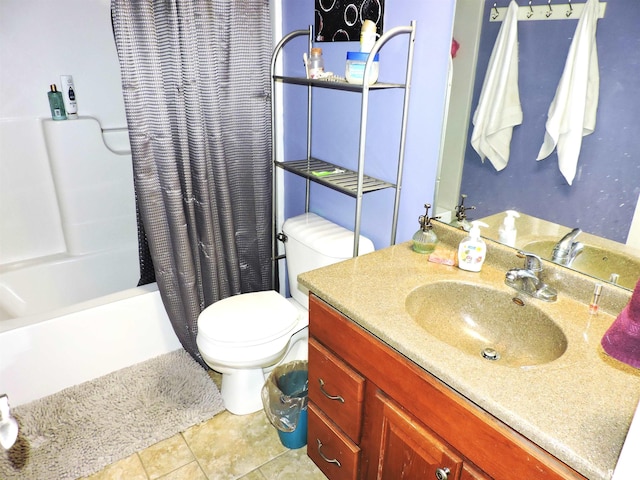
[248, 319]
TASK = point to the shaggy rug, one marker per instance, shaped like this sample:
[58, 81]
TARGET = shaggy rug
[82, 429]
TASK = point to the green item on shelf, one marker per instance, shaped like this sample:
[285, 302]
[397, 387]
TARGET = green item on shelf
[325, 173]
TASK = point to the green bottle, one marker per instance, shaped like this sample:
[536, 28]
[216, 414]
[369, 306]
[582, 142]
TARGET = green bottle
[56, 103]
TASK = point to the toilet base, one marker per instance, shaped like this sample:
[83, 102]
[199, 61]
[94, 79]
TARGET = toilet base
[241, 391]
[241, 388]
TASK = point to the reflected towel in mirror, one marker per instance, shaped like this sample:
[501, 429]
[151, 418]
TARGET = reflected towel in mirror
[572, 113]
[499, 107]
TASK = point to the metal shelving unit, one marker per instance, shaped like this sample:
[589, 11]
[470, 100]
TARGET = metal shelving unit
[349, 182]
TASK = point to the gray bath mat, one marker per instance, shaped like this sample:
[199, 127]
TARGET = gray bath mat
[84, 428]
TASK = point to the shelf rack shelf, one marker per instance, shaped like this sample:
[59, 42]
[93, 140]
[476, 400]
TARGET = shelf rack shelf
[343, 180]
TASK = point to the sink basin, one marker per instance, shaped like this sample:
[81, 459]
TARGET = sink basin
[487, 323]
[595, 261]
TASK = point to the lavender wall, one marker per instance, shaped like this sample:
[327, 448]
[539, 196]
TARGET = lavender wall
[604, 193]
[336, 119]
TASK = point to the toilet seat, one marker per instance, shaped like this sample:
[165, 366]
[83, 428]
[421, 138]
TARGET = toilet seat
[248, 319]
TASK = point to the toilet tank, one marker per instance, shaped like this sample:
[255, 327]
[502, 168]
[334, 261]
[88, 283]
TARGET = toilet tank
[314, 242]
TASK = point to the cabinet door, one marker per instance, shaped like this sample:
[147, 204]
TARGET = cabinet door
[403, 448]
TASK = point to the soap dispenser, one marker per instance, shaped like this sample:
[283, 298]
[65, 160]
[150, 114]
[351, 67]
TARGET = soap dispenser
[461, 215]
[507, 231]
[472, 250]
[425, 239]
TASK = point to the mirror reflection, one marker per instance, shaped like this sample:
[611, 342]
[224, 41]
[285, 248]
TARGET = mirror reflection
[603, 196]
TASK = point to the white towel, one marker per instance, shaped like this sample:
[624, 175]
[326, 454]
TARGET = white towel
[499, 108]
[572, 113]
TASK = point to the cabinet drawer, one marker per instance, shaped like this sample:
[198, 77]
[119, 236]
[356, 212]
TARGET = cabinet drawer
[329, 448]
[336, 389]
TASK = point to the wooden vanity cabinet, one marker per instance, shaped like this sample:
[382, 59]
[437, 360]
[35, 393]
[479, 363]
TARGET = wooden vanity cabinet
[373, 414]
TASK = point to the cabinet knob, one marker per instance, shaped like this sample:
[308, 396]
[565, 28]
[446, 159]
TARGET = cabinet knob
[330, 397]
[442, 473]
[329, 460]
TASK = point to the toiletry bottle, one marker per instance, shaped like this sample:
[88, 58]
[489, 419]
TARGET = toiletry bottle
[425, 239]
[69, 96]
[367, 36]
[316, 63]
[56, 104]
[472, 250]
[507, 231]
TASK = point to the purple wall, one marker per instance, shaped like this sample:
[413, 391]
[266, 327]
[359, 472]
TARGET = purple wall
[336, 119]
[605, 190]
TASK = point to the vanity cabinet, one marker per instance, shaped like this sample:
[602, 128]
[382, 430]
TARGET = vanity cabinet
[374, 414]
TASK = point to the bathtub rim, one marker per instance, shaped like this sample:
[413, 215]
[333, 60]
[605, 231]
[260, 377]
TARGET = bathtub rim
[22, 322]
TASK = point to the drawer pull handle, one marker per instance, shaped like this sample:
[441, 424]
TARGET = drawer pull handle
[330, 397]
[328, 460]
[442, 473]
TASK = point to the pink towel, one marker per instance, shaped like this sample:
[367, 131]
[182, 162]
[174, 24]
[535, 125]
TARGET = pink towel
[622, 340]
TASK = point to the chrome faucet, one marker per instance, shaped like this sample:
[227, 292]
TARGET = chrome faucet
[527, 279]
[567, 249]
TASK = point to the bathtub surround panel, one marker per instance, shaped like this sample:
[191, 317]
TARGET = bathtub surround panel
[94, 186]
[30, 225]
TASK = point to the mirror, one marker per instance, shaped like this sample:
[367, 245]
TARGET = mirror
[603, 196]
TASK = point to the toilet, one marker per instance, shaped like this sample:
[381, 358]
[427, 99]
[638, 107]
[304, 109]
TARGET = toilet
[246, 336]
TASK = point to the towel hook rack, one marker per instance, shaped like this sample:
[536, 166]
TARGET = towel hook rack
[549, 12]
[495, 13]
[530, 12]
[570, 11]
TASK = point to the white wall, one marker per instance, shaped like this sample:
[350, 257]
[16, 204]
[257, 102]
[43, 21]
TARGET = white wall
[39, 41]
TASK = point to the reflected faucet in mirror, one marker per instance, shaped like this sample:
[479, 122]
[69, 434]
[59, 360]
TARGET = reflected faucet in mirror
[604, 259]
[567, 249]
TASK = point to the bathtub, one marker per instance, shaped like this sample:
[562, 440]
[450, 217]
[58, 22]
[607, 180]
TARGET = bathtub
[69, 307]
[45, 353]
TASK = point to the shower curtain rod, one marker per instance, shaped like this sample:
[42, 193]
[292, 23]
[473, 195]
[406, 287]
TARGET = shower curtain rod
[548, 11]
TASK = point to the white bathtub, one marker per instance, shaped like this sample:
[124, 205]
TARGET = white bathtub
[46, 353]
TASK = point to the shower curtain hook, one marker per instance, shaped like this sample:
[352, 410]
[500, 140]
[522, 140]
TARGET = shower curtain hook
[495, 14]
[530, 12]
[570, 11]
[550, 11]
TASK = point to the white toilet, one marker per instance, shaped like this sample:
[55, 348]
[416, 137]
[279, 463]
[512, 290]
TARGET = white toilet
[245, 336]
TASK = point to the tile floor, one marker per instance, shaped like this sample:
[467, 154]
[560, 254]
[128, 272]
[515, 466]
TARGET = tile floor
[227, 447]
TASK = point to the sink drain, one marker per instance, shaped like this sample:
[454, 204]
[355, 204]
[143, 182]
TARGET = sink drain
[490, 354]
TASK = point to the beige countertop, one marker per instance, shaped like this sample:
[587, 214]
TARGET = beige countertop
[578, 407]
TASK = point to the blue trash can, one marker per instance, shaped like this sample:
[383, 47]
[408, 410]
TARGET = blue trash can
[294, 384]
[284, 397]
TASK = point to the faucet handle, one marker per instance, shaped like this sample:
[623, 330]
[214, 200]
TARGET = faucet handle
[532, 262]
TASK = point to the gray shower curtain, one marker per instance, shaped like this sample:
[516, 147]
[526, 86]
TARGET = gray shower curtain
[195, 79]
